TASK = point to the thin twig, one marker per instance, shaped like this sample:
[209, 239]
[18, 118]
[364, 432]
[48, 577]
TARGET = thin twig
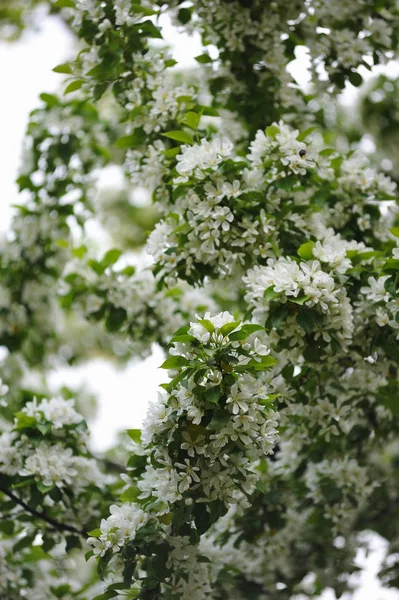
[40, 515]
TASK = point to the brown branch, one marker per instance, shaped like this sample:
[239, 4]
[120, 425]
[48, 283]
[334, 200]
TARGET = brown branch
[42, 516]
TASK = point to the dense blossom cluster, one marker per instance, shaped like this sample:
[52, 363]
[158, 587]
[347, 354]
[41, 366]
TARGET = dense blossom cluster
[271, 449]
[201, 442]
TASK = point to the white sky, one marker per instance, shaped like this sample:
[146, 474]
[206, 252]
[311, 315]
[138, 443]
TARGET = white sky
[25, 72]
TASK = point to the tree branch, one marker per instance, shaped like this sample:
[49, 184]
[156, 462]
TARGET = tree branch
[42, 516]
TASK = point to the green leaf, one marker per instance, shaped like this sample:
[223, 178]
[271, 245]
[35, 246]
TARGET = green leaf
[23, 421]
[209, 111]
[203, 59]
[61, 590]
[50, 99]
[79, 252]
[229, 327]
[101, 567]
[309, 319]
[305, 251]
[327, 152]
[44, 489]
[270, 294]
[73, 86]
[131, 494]
[208, 325]
[174, 362]
[395, 231]
[355, 78]
[35, 554]
[115, 319]
[135, 435]
[24, 542]
[300, 300]
[212, 395]
[244, 332]
[148, 29]
[72, 542]
[277, 316]
[129, 141]
[96, 266]
[181, 332]
[107, 595]
[94, 533]
[63, 68]
[287, 183]
[192, 119]
[111, 257]
[7, 527]
[172, 152]
[148, 12]
[272, 131]
[304, 134]
[64, 4]
[180, 136]
[184, 15]
[88, 555]
[265, 362]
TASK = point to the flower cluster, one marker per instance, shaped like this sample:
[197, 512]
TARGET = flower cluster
[201, 442]
[128, 302]
[251, 477]
[60, 463]
[289, 293]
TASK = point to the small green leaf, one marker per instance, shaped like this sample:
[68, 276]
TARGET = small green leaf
[172, 152]
[7, 527]
[128, 141]
[80, 252]
[192, 119]
[61, 590]
[209, 111]
[94, 533]
[304, 134]
[135, 435]
[174, 362]
[115, 319]
[63, 68]
[269, 294]
[259, 365]
[106, 595]
[208, 325]
[72, 542]
[287, 183]
[245, 331]
[180, 136]
[305, 251]
[203, 59]
[184, 15]
[50, 99]
[110, 257]
[88, 555]
[73, 86]
[327, 152]
[300, 300]
[229, 327]
[272, 131]
[309, 319]
[24, 542]
[131, 494]
[64, 4]
[212, 395]
[277, 316]
[355, 78]
[395, 231]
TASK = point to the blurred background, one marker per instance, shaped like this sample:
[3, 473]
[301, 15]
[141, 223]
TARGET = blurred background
[124, 392]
